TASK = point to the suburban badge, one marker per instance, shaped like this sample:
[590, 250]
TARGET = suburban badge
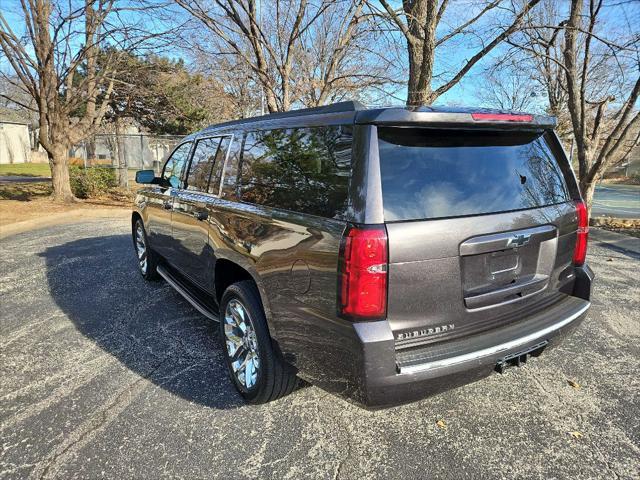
[425, 332]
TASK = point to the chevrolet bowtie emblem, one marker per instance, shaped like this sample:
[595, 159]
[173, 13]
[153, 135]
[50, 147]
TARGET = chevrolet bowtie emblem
[518, 240]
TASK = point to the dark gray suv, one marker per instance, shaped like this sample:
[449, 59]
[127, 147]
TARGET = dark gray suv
[381, 254]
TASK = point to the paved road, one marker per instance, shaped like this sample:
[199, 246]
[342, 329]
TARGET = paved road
[104, 375]
[620, 201]
[22, 179]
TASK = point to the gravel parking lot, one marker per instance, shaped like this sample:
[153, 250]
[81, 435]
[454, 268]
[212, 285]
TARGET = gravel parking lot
[106, 376]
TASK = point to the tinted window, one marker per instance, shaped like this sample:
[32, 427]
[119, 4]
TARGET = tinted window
[203, 159]
[230, 169]
[175, 164]
[449, 173]
[218, 165]
[304, 170]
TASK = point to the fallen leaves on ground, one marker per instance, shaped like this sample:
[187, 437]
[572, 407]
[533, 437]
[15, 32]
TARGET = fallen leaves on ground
[441, 424]
[573, 384]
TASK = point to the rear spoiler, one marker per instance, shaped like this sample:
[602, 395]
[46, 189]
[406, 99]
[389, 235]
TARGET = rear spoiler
[477, 118]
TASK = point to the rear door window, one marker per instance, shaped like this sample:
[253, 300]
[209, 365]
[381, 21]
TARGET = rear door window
[303, 170]
[203, 159]
[428, 173]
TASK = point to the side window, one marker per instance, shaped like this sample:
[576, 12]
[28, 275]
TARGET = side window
[204, 156]
[172, 171]
[218, 165]
[230, 168]
[304, 170]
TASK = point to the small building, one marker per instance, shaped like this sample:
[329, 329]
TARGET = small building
[630, 166]
[15, 142]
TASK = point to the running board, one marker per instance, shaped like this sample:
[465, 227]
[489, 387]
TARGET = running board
[198, 305]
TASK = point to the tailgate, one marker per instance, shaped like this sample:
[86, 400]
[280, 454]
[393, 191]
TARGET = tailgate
[454, 277]
[481, 229]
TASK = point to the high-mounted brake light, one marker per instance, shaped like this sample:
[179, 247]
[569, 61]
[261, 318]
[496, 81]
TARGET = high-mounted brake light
[580, 252]
[363, 275]
[502, 117]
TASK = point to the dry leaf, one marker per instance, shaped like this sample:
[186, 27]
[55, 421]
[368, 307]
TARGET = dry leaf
[575, 385]
[441, 424]
[576, 434]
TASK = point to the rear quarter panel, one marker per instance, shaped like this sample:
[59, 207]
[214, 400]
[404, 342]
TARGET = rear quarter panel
[294, 261]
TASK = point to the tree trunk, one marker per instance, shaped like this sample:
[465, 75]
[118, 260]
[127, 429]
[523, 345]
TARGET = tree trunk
[272, 103]
[588, 189]
[122, 173]
[416, 96]
[91, 148]
[421, 63]
[60, 176]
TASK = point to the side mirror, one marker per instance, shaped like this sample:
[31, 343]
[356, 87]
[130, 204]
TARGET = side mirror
[146, 176]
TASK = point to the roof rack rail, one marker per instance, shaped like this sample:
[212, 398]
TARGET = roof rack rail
[347, 106]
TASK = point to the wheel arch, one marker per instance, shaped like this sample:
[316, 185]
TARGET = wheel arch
[228, 272]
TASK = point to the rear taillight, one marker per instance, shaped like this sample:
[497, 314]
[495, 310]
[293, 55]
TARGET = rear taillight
[580, 252]
[501, 117]
[363, 274]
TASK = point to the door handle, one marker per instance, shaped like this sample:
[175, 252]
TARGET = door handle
[202, 215]
[167, 205]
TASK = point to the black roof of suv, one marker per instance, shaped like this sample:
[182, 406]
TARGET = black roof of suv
[398, 115]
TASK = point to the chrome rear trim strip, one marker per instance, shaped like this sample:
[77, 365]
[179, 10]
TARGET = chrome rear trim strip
[497, 349]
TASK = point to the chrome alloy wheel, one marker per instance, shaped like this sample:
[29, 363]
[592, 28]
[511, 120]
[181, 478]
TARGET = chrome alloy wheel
[242, 344]
[141, 248]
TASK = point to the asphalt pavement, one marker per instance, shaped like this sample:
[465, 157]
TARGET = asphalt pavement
[618, 201]
[107, 376]
[22, 179]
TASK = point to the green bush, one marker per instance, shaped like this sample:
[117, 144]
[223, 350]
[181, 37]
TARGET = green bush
[92, 181]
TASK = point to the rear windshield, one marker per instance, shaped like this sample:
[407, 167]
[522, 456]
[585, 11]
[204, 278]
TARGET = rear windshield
[429, 173]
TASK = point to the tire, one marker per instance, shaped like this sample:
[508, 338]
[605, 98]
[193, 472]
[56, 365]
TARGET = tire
[147, 258]
[265, 376]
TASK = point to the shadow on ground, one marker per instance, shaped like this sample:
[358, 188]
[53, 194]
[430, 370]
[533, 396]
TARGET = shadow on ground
[24, 192]
[147, 326]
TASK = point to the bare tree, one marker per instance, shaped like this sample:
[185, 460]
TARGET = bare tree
[595, 153]
[588, 64]
[295, 51]
[242, 91]
[547, 47]
[508, 87]
[344, 56]
[422, 23]
[536, 62]
[55, 62]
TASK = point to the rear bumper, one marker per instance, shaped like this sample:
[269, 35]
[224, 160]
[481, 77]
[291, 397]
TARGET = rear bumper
[391, 377]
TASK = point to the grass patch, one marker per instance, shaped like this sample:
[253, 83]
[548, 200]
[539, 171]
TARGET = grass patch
[26, 170]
